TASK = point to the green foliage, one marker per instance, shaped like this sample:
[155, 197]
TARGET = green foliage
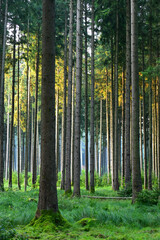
[126, 191]
[147, 197]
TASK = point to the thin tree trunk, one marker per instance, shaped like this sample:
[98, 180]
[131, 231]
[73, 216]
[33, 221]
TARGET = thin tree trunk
[63, 149]
[127, 95]
[57, 134]
[123, 128]
[76, 191]
[140, 135]
[12, 113]
[7, 143]
[100, 144]
[136, 174]
[86, 101]
[107, 131]
[69, 108]
[144, 127]
[150, 102]
[72, 127]
[34, 170]
[18, 126]
[115, 161]
[48, 192]
[96, 161]
[2, 98]
[159, 132]
[92, 187]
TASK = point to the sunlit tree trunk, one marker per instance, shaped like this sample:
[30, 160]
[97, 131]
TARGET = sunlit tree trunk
[96, 160]
[136, 174]
[72, 127]
[100, 142]
[123, 128]
[140, 134]
[12, 112]
[63, 148]
[57, 134]
[34, 171]
[107, 129]
[7, 143]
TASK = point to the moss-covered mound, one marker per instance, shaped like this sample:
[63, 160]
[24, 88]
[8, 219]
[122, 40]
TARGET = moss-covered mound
[49, 221]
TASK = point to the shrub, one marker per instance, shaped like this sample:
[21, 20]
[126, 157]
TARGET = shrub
[126, 191]
[147, 197]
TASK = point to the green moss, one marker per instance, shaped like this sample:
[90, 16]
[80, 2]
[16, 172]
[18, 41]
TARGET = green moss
[86, 221]
[49, 221]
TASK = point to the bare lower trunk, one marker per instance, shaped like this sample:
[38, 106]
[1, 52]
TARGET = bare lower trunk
[123, 128]
[72, 128]
[7, 143]
[107, 131]
[100, 143]
[57, 134]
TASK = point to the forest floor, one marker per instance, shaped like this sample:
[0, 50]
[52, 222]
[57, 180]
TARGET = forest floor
[88, 218]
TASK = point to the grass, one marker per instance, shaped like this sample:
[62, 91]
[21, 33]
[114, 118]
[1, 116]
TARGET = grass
[88, 218]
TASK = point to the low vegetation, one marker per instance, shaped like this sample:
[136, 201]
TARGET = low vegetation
[85, 218]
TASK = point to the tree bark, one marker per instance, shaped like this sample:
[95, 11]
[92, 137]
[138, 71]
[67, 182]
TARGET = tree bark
[86, 101]
[34, 170]
[127, 95]
[63, 148]
[72, 127]
[69, 108]
[100, 144]
[57, 134]
[2, 63]
[107, 130]
[76, 191]
[48, 192]
[123, 128]
[136, 175]
[92, 187]
[12, 113]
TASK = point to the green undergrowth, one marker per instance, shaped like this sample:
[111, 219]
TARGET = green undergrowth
[84, 218]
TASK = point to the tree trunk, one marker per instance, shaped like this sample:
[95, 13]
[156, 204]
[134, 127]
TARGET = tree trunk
[86, 101]
[57, 134]
[107, 131]
[123, 128]
[115, 160]
[12, 113]
[144, 127]
[136, 174]
[96, 162]
[72, 127]
[92, 187]
[69, 108]
[150, 102]
[76, 191]
[48, 192]
[127, 95]
[63, 149]
[34, 170]
[7, 143]
[2, 97]
[100, 144]
[18, 126]
[140, 134]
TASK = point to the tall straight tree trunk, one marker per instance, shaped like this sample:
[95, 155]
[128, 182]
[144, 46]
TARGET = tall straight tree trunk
[57, 134]
[18, 126]
[107, 130]
[144, 127]
[86, 101]
[72, 127]
[150, 102]
[115, 161]
[7, 143]
[96, 160]
[34, 170]
[69, 108]
[112, 113]
[140, 134]
[92, 187]
[100, 143]
[12, 113]
[127, 95]
[48, 192]
[136, 174]
[159, 132]
[76, 191]
[63, 148]
[123, 128]
[2, 63]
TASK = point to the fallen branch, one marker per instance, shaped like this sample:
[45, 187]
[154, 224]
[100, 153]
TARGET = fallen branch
[107, 198]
